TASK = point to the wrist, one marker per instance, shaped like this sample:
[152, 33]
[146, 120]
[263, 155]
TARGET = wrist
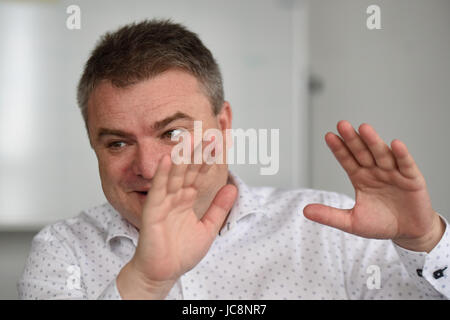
[132, 285]
[427, 242]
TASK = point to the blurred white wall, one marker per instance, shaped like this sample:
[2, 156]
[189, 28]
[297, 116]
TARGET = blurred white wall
[396, 78]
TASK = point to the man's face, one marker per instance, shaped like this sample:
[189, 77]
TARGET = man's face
[131, 129]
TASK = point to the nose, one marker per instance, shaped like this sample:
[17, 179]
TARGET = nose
[146, 159]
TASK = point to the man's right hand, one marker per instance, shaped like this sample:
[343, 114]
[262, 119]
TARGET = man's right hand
[172, 239]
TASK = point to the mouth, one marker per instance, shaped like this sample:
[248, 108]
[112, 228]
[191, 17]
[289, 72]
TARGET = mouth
[142, 195]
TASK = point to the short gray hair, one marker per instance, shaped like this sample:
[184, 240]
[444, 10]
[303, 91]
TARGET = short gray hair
[140, 51]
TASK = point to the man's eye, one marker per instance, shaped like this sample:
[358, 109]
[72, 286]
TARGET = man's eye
[116, 145]
[172, 134]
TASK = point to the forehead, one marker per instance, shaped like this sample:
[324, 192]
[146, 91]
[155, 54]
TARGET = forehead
[149, 100]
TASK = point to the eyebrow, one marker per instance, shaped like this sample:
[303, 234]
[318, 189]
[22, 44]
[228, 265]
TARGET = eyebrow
[158, 125]
[163, 123]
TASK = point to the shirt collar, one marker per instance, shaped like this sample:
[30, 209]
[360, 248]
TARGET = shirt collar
[118, 226]
[246, 203]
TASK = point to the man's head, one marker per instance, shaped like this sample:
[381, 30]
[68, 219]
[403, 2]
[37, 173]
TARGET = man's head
[141, 84]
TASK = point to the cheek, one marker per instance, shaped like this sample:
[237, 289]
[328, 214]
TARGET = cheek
[113, 170]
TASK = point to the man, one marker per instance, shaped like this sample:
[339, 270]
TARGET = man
[196, 231]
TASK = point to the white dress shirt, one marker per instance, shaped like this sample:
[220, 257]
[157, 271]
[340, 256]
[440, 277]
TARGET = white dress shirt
[266, 250]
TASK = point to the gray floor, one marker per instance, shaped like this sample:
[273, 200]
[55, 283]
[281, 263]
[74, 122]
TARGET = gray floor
[14, 248]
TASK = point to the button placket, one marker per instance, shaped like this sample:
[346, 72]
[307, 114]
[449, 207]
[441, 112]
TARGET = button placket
[439, 273]
[419, 272]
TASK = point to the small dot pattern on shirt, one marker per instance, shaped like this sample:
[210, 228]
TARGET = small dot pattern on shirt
[266, 250]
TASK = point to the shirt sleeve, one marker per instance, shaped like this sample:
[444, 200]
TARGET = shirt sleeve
[51, 271]
[111, 292]
[429, 271]
[401, 273]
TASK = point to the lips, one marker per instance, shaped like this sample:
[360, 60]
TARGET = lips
[140, 192]
[141, 195]
[141, 189]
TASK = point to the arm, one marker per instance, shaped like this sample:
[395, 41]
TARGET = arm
[392, 200]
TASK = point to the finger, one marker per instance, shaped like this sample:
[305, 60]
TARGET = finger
[191, 174]
[193, 169]
[186, 174]
[405, 162]
[176, 177]
[215, 155]
[342, 153]
[219, 208]
[382, 154]
[158, 189]
[336, 218]
[202, 172]
[355, 144]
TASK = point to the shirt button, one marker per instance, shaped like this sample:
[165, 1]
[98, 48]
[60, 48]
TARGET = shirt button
[439, 273]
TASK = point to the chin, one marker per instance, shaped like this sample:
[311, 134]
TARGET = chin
[133, 216]
[129, 209]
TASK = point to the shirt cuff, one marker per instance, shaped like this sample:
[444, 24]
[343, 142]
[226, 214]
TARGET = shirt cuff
[430, 271]
[111, 292]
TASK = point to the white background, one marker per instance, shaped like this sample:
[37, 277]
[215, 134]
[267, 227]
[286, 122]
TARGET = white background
[396, 78]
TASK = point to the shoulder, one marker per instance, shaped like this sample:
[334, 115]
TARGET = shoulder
[69, 232]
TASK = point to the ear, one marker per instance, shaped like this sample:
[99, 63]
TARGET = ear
[224, 119]
[225, 116]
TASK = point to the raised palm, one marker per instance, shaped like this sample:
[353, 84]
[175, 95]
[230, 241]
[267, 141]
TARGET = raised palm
[391, 197]
[172, 238]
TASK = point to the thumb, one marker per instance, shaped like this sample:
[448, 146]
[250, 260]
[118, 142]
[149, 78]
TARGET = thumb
[337, 218]
[219, 208]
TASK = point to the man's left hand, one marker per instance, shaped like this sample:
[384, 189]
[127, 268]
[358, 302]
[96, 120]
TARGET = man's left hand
[392, 200]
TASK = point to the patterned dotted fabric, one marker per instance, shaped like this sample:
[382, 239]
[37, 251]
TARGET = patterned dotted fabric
[266, 250]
